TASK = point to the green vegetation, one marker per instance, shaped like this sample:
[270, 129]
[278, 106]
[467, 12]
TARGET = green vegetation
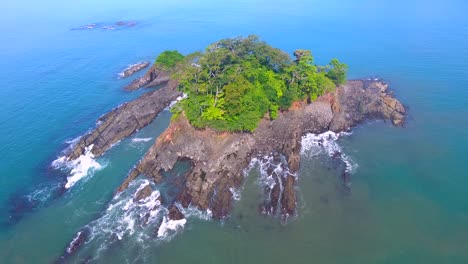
[235, 82]
[168, 59]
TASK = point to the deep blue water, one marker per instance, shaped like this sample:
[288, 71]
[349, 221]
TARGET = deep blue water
[408, 202]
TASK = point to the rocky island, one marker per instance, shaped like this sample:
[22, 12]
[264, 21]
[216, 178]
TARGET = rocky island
[239, 100]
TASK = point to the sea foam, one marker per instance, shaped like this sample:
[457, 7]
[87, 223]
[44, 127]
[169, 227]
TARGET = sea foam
[79, 168]
[138, 140]
[170, 225]
[315, 144]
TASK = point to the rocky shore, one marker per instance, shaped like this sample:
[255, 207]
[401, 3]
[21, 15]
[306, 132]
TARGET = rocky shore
[218, 159]
[125, 120]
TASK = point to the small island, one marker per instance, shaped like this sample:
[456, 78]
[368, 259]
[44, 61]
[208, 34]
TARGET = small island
[240, 100]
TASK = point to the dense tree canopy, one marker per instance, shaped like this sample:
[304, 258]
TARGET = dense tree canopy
[168, 59]
[235, 82]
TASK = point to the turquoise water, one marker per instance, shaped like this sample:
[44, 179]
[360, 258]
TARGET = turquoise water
[407, 204]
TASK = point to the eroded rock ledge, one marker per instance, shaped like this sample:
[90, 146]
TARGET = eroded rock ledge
[125, 120]
[134, 68]
[219, 159]
[153, 77]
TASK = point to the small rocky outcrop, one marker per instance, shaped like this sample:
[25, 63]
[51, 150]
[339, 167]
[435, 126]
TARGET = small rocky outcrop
[152, 78]
[219, 159]
[143, 193]
[132, 69]
[360, 100]
[174, 213]
[125, 120]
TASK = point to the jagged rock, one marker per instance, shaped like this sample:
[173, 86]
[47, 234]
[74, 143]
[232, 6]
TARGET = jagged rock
[174, 213]
[152, 77]
[218, 161]
[125, 120]
[143, 193]
[360, 100]
[132, 69]
[288, 201]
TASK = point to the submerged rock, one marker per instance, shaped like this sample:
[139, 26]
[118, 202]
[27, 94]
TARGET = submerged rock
[132, 69]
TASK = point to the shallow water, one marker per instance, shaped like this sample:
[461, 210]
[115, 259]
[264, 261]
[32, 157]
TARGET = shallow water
[407, 201]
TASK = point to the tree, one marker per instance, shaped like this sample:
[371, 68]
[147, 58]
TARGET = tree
[336, 71]
[168, 59]
[235, 82]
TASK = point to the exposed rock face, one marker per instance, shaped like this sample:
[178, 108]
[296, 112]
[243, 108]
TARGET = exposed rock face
[174, 213]
[218, 161]
[219, 158]
[125, 120]
[152, 78]
[132, 69]
[361, 100]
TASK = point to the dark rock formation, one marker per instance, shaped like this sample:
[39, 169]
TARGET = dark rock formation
[219, 158]
[79, 239]
[174, 213]
[153, 77]
[126, 23]
[125, 120]
[132, 69]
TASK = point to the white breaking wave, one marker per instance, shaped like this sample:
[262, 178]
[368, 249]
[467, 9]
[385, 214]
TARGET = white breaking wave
[168, 225]
[124, 215]
[178, 99]
[141, 223]
[73, 242]
[315, 144]
[122, 73]
[236, 193]
[79, 168]
[137, 140]
[267, 163]
[192, 211]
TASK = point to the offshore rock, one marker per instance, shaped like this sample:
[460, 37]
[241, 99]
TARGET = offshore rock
[132, 69]
[125, 120]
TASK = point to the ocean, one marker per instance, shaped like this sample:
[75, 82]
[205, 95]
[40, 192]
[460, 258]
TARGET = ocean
[407, 201]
